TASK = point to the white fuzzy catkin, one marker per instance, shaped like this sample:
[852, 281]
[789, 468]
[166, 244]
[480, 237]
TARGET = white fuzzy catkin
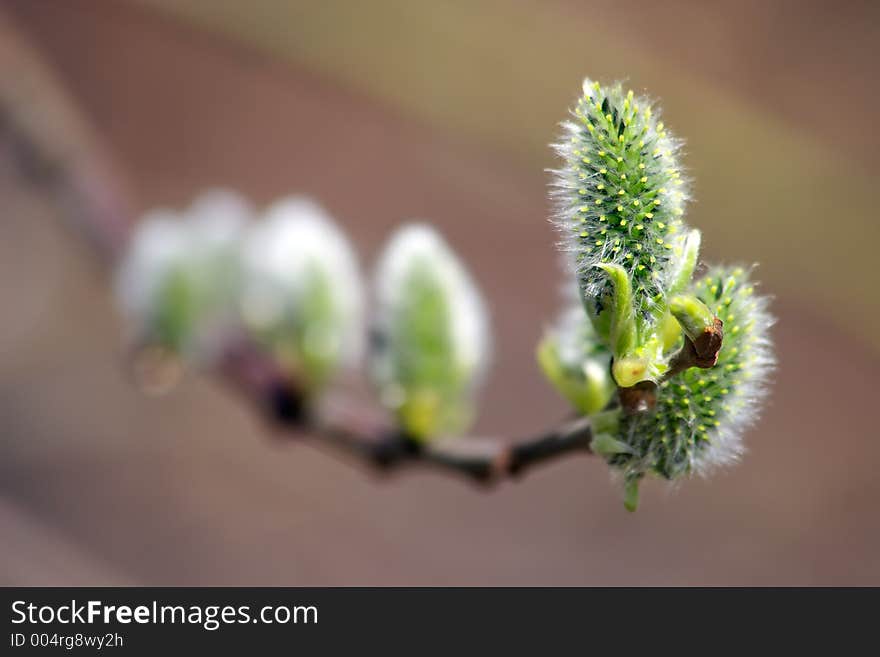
[619, 196]
[700, 415]
[295, 239]
[200, 245]
[419, 243]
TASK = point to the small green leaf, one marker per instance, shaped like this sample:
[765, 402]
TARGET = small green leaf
[631, 494]
[623, 324]
[687, 262]
[606, 445]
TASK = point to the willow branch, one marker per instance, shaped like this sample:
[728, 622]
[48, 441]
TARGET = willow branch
[340, 423]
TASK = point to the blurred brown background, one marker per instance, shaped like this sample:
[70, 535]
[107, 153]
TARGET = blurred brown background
[390, 110]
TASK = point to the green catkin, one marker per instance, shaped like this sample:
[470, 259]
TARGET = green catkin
[619, 201]
[431, 340]
[620, 198]
[701, 414]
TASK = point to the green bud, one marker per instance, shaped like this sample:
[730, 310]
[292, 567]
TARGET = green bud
[301, 293]
[178, 281]
[576, 362]
[692, 314]
[430, 337]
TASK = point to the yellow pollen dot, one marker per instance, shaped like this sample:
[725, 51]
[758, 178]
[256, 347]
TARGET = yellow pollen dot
[641, 267]
[585, 160]
[598, 242]
[643, 179]
[623, 176]
[638, 247]
[660, 126]
[608, 117]
[584, 234]
[629, 256]
[641, 165]
[639, 227]
[620, 208]
[656, 201]
[600, 186]
[601, 217]
[623, 222]
[598, 201]
[582, 191]
[649, 215]
[620, 192]
[620, 159]
[659, 241]
[661, 225]
[637, 202]
[641, 143]
[601, 153]
[583, 208]
[603, 170]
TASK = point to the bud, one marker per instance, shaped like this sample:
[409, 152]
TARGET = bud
[701, 414]
[301, 291]
[430, 342]
[576, 362]
[619, 201]
[178, 281]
